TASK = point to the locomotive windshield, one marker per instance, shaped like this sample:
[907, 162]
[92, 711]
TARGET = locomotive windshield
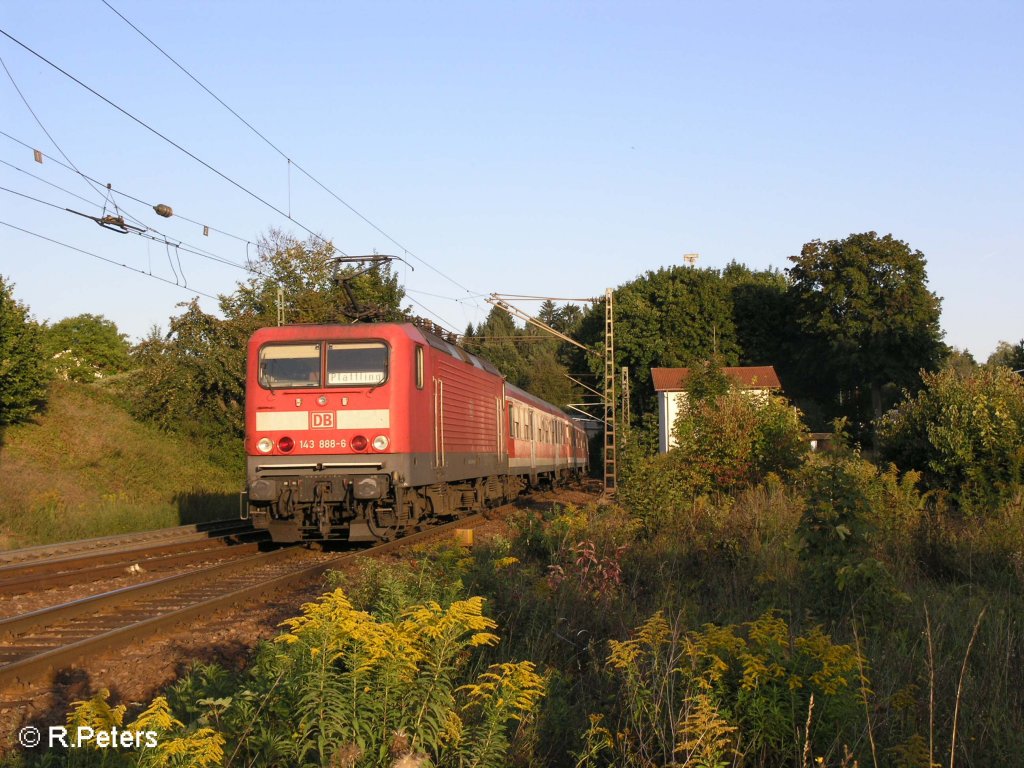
[290, 366]
[354, 364]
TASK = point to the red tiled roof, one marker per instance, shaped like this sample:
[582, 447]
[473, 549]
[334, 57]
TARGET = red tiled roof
[746, 377]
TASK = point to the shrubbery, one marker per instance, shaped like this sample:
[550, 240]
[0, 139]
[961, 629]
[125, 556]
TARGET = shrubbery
[726, 440]
[344, 687]
[965, 434]
[726, 695]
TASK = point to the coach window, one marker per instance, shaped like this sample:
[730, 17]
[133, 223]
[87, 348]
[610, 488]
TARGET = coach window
[356, 364]
[289, 366]
[419, 367]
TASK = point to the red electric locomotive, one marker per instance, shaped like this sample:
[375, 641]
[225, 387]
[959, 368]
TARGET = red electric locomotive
[364, 432]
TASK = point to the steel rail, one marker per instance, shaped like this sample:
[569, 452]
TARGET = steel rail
[32, 577]
[120, 554]
[41, 659]
[67, 549]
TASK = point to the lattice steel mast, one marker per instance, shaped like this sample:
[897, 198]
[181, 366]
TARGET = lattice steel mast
[610, 474]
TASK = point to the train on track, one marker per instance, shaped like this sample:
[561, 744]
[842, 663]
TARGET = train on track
[369, 431]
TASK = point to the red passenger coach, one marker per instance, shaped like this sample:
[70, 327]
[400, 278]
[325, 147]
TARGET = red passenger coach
[367, 431]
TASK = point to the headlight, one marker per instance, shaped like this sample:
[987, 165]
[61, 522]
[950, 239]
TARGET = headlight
[380, 443]
[265, 445]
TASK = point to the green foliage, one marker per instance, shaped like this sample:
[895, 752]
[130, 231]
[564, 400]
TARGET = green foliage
[177, 745]
[707, 381]
[23, 373]
[85, 348]
[735, 440]
[960, 360]
[546, 376]
[841, 527]
[192, 380]
[305, 274]
[965, 434]
[495, 340]
[726, 440]
[529, 357]
[429, 574]
[339, 687]
[1008, 355]
[85, 467]
[866, 315]
[762, 315]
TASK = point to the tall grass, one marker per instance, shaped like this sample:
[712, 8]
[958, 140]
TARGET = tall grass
[854, 569]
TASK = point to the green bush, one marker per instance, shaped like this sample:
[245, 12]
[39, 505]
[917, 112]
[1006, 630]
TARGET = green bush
[726, 441]
[965, 434]
[850, 507]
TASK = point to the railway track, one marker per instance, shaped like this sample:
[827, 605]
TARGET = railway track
[120, 556]
[124, 541]
[52, 638]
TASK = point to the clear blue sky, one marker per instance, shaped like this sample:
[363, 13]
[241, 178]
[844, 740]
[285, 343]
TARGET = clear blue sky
[552, 148]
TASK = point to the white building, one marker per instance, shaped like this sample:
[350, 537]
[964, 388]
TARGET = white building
[670, 384]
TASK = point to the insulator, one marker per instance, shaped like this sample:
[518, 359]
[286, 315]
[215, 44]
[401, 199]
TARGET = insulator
[163, 210]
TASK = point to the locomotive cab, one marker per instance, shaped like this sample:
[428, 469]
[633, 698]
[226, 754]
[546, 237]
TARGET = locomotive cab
[320, 436]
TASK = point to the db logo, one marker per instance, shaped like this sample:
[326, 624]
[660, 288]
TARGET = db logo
[323, 420]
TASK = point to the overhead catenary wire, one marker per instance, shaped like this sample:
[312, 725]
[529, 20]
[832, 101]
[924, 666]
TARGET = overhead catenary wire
[162, 239]
[43, 127]
[191, 248]
[458, 299]
[170, 141]
[282, 153]
[109, 261]
[447, 325]
[50, 183]
[519, 297]
[113, 188]
[97, 186]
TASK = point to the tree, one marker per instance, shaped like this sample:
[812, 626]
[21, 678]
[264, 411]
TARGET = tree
[960, 360]
[86, 347]
[23, 375]
[1009, 355]
[761, 313]
[495, 340]
[305, 272]
[192, 380]
[673, 317]
[866, 315]
[546, 377]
